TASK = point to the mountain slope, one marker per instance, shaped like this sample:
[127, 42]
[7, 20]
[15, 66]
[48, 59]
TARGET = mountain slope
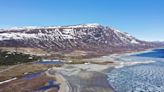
[60, 38]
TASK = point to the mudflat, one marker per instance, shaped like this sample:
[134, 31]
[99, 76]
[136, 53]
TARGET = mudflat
[84, 78]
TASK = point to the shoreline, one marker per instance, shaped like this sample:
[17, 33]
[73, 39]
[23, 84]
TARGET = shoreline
[88, 77]
[85, 79]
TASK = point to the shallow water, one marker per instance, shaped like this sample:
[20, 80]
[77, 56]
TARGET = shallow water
[141, 77]
[51, 84]
[33, 75]
[49, 62]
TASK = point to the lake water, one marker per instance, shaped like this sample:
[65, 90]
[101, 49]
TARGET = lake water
[141, 77]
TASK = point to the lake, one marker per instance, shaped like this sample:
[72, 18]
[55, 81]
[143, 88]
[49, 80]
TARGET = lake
[147, 77]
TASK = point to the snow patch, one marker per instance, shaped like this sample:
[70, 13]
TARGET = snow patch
[8, 80]
[134, 41]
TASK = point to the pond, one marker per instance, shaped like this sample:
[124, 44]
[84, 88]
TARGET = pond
[51, 84]
[47, 62]
[33, 75]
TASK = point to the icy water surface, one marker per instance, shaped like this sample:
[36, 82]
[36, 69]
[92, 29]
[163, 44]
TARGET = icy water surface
[141, 77]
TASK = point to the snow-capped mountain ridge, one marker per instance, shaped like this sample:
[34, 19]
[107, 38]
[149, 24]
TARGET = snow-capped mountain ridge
[46, 27]
[83, 36]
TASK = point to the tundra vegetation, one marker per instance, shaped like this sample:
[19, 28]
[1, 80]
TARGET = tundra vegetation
[12, 58]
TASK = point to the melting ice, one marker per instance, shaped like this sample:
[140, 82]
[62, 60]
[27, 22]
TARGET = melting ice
[141, 77]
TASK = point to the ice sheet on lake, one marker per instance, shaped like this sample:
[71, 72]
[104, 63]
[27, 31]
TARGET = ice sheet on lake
[147, 75]
[138, 78]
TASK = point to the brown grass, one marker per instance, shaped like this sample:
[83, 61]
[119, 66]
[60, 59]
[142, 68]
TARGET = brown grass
[32, 51]
[21, 69]
[21, 85]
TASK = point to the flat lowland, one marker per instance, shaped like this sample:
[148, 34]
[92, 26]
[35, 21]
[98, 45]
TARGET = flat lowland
[31, 51]
[20, 70]
[78, 74]
[24, 85]
[85, 77]
[21, 84]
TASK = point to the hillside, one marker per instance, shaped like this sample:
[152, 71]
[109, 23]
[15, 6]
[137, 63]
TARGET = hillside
[87, 37]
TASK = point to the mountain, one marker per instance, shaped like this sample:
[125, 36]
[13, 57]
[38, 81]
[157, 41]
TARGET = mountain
[159, 43]
[89, 37]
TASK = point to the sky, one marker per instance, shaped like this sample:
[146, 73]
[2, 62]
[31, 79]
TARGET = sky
[143, 19]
